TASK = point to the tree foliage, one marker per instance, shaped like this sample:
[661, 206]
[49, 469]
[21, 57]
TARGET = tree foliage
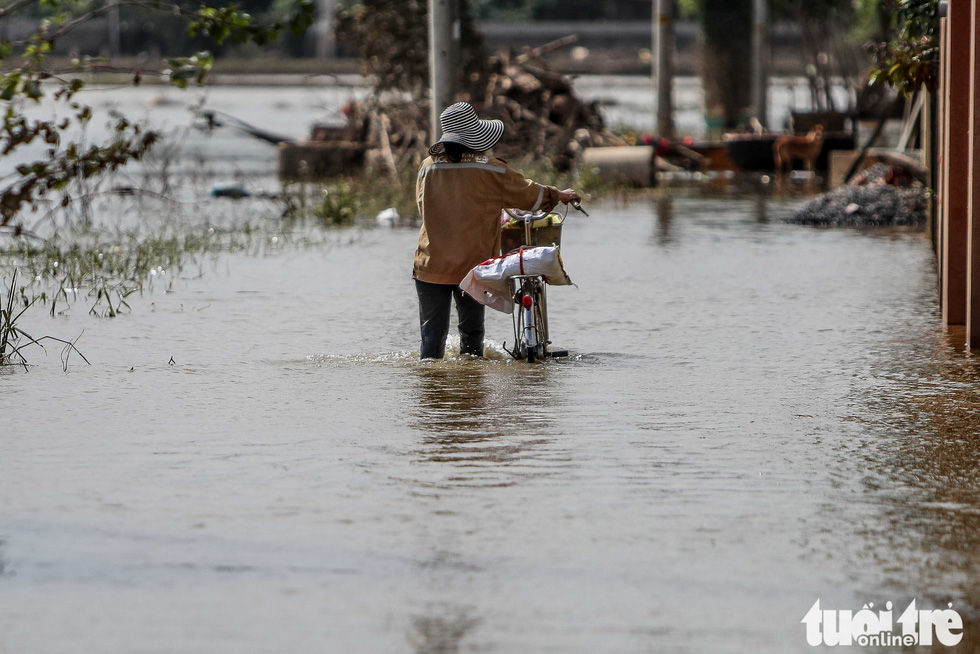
[28, 77]
[392, 37]
[910, 59]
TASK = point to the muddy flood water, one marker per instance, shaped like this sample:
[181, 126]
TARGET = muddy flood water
[754, 416]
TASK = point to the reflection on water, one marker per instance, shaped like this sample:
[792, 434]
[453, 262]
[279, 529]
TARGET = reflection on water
[483, 425]
[483, 417]
[442, 631]
[925, 475]
[456, 399]
[761, 208]
[664, 216]
[664, 208]
[475, 399]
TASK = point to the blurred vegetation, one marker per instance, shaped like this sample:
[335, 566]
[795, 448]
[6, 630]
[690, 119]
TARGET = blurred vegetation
[830, 30]
[27, 77]
[338, 206]
[392, 39]
[155, 27]
[908, 57]
[369, 193]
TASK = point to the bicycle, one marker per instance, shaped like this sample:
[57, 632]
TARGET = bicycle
[523, 230]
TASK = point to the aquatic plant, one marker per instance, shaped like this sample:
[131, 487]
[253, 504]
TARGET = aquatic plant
[363, 196]
[106, 267]
[10, 334]
[337, 207]
[82, 263]
[102, 267]
[14, 339]
[584, 179]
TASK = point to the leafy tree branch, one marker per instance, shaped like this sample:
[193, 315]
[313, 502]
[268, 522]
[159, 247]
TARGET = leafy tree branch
[910, 60]
[30, 79]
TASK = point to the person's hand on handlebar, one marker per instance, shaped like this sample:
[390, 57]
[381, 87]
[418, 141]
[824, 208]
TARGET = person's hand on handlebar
[569, 195]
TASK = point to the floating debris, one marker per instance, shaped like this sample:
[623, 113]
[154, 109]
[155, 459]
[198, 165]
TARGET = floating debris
[389, 218]
[233, 191]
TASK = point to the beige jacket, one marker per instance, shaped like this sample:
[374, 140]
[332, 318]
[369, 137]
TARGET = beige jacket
[460, 205]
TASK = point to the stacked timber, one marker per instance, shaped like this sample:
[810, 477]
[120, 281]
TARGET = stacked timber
[542, 115]
[543, 119]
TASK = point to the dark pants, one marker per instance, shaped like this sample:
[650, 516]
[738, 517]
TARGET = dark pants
[435, 302]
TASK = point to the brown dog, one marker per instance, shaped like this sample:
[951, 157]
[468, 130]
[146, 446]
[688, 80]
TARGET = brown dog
[807, 148]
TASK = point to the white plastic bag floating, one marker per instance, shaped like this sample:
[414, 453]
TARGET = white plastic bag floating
[488, 283]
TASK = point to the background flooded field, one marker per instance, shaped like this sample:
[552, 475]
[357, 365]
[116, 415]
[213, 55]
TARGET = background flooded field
[755, 415]
[289, 111]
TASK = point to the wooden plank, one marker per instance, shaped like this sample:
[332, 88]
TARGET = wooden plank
[973, 211]
[956, 201]
[908, 127]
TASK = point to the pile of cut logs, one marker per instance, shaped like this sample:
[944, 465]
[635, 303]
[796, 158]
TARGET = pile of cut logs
[542, 115]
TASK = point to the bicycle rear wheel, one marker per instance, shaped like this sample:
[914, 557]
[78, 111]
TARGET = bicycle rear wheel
[535, 320]
[530, 320]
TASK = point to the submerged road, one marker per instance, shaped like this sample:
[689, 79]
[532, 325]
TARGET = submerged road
[755, 416]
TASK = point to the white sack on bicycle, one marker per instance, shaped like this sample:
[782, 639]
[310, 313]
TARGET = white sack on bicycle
[488, 284]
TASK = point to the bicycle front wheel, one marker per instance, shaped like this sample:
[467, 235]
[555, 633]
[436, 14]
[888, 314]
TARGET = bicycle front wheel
[541, 318]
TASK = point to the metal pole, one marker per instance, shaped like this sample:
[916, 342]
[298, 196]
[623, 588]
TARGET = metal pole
[760, 52]
[443, 36]
[663, 65]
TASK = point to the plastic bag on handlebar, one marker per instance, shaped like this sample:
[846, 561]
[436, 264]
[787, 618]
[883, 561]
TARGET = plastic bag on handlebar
[488, 283]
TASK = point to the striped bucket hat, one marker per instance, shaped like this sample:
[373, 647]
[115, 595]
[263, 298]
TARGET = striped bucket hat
[460, 125]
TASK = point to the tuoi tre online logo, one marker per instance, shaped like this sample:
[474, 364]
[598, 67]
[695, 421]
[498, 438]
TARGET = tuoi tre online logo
[867, 628]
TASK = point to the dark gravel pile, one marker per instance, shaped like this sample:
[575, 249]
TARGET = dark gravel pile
[872, 205]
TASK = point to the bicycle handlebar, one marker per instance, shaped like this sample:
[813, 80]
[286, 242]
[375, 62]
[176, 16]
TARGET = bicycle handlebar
[532, 216]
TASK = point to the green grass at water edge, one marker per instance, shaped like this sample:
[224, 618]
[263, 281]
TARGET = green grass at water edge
[367, 194]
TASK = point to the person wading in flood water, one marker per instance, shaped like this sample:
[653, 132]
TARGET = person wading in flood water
[460, 191]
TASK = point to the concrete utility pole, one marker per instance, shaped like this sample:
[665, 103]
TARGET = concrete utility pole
[325, 43]
[663, 65]
[444, 32]
[114, 27]
[760, 54]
